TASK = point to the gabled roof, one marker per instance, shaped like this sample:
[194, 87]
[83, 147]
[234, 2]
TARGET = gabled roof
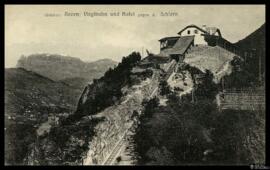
[166, 38]
[207, 31]
[194, 26]
[180, 46]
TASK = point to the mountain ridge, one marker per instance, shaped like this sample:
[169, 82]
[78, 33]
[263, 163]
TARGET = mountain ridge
[30, 99]
[256, 39]
[58, 67]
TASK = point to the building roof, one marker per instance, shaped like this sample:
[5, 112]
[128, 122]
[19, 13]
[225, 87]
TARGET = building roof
[150, 58]
[166, 38]
[180, 46]
[194, 26]
[207, 31]
[213, 29]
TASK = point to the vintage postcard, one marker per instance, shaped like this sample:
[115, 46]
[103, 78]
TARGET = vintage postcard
[135, 85]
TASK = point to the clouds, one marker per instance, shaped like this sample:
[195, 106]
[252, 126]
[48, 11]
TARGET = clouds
[90, 38]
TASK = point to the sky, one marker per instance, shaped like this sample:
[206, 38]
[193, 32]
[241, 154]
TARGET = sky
[28, 29]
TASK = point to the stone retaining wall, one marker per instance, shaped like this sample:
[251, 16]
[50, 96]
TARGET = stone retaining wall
[242, 100]
[118, 119]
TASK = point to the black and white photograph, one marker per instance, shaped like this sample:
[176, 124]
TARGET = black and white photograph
[129, 85]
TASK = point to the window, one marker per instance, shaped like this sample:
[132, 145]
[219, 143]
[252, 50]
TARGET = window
[188, 32]
[163, 44]
[196, 31]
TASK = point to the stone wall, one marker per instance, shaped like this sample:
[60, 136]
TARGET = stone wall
[242, 100]
[118, 120]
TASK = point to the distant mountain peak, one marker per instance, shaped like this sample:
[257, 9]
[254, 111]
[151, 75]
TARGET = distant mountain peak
[48, 56]
[58, 67]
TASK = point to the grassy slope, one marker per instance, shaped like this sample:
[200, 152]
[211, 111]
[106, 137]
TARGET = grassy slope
[211, 58]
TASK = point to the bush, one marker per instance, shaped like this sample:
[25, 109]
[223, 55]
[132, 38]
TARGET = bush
[230, 133]
[164, 88]
[208, 89]
[150, 106]
[181, 132]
